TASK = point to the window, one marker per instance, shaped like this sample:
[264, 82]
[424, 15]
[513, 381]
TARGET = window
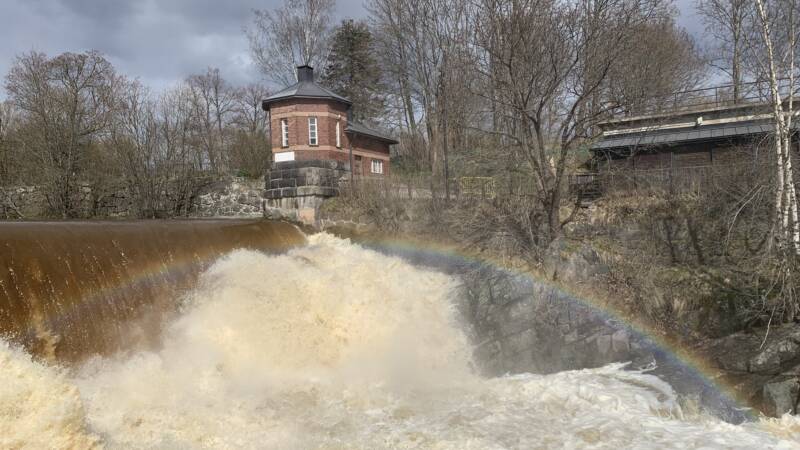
[284, 132]
[377, 166]
[338, 134]
[312, 131]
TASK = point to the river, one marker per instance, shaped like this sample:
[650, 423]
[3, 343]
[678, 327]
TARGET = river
[280, 341]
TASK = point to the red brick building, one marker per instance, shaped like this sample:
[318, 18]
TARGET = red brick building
[309, 122]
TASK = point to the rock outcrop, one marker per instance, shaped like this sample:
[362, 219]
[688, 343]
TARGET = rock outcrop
[763, 364]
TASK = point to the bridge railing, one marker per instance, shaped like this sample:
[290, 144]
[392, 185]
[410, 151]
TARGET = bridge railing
[712, 97]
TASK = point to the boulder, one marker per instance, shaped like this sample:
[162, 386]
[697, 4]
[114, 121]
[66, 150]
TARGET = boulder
[620, 341]
[604, 344]
[767, 361]
[582, 266]
[766, 371]
[780, 397]
[783, 349]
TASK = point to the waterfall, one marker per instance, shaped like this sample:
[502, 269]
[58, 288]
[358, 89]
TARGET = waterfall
[333, 346]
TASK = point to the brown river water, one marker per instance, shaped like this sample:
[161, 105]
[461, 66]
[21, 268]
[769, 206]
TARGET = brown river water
[72, 289]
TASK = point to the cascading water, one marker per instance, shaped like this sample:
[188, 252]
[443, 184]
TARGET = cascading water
[334, 346]
[68, 290]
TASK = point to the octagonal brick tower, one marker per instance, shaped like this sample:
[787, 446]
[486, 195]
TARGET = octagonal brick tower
[315, 142]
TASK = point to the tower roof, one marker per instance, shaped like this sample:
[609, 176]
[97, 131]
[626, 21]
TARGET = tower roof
[304, 88]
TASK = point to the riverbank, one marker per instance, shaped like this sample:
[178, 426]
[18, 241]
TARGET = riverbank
[680, 306]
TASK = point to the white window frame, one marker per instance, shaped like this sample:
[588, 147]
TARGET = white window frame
[339, 133]
[313, 134]
[284, 132]
[376, 166]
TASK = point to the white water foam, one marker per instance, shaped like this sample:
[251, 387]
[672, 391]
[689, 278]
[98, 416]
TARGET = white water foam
[333, 346]
[39, 407]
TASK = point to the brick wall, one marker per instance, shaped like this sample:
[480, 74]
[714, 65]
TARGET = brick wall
[328, 113]
[297, 112]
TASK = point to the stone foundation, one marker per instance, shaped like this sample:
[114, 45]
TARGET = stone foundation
[296, 189]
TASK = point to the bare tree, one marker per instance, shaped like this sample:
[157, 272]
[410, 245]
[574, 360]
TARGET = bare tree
[250, 148]
[660, 61]
[295, 34]
[138, 147]
[213, 102]
[9, 121]
[387, 20]
[549, 63]
[425, 46]
[725, 21]
[68, 102]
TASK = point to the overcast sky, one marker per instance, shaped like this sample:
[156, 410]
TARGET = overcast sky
[158, 41]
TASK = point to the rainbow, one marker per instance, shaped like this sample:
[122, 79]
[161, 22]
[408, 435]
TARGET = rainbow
[114, 297]
[174, 269]
[117, 293]
[667, 349]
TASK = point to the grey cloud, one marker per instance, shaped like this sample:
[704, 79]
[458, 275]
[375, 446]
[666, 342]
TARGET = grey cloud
[158, 41]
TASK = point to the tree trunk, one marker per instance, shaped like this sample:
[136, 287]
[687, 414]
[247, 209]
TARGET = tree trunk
[786, 200]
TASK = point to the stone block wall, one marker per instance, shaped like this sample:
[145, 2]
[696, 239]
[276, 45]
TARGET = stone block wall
[297, 188]
[304, 178]
[30, 202]
[232, 197]
[237, 197]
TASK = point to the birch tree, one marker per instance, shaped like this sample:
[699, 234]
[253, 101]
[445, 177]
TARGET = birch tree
[776, 25]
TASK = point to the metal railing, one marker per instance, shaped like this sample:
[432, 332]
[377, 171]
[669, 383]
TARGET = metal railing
[712, 97]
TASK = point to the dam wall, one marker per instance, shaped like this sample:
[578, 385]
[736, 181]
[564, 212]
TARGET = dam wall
[69, 290]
